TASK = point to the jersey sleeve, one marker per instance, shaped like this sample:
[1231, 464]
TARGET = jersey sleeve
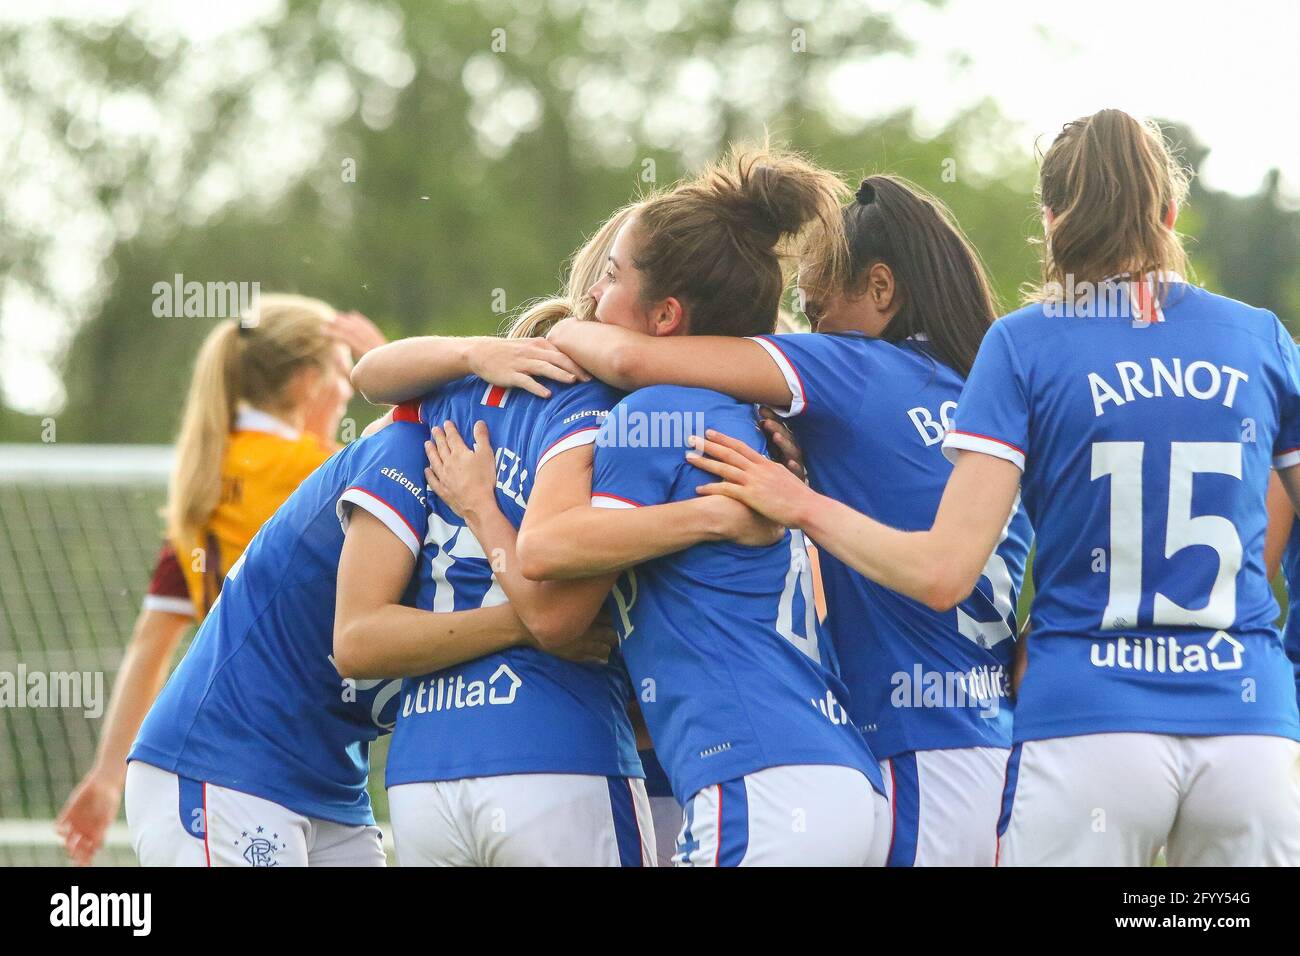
[992, 414]
[388, 481]
[167, 588]
[808, 365]
[629, 474]
[1286, 448]
[572, 417]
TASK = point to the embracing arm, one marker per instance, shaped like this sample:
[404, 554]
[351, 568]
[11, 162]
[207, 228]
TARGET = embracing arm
[1281, 516]
[465, 480]
[581, 540]
[377, 637]
[939, 567]
[408, 368]
[563, 536]
[630, 360]
[596, 543]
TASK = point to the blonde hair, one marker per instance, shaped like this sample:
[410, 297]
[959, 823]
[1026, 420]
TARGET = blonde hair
[585, 269]
[251, 359]
[1109, 180]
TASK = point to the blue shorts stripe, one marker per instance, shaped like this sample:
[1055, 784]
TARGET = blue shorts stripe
[190, 806]
[733, 822]
[627, 831]
[1009, 789]
[656, 779]
[905, 802]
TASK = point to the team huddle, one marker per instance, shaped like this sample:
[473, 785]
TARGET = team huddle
[647, 581]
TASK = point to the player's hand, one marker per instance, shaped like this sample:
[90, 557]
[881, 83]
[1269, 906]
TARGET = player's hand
[464, 478]
[592, 646]
[358, 333]
[87, 815]
[749, 477]
[519, 363]
[741, 524]
[781, 445]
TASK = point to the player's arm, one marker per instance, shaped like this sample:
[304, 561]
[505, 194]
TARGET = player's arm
[630, 360]
[939, 567]
[93, 805]
[408, 368]
[465, 480]
[375, 636]
[553, 607]
[1281, 516]
[564, 537]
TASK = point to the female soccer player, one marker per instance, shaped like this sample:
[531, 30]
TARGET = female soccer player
[262, 414]
[1138, 416]
[518, 759]
[255, 753]
[722, 641]
[869, 395]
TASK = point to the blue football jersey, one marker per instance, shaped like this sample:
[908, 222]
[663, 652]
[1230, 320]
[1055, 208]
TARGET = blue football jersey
[520, 710]
[870, 417]
[721, 640]
[1145, 449]
[257, 705]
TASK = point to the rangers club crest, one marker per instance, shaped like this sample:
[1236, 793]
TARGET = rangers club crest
[259, 850]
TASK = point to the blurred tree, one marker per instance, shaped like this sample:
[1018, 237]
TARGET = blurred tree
[421, 161]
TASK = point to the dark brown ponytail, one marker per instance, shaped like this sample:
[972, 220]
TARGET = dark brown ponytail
[945, 292]
[718, 242]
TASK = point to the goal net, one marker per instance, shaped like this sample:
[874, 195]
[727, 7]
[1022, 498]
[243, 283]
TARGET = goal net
[79, 532]
[79, 529]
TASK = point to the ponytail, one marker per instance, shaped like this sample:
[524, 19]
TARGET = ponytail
[718, 243]
[1112, 183]
[944, 291]
[252, 359]
[209, 416]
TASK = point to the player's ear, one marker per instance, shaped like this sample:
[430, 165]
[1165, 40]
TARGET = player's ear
[880, 286]
[668, 317]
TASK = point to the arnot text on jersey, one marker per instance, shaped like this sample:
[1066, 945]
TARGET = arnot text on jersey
[1156, 378]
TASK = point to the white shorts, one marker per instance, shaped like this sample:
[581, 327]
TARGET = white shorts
[944, 805]
[1116, 799]
[805, 815]
[666, 813]
[176, 821]
[529, 819]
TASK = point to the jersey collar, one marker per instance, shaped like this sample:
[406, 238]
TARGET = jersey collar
[252, 419]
